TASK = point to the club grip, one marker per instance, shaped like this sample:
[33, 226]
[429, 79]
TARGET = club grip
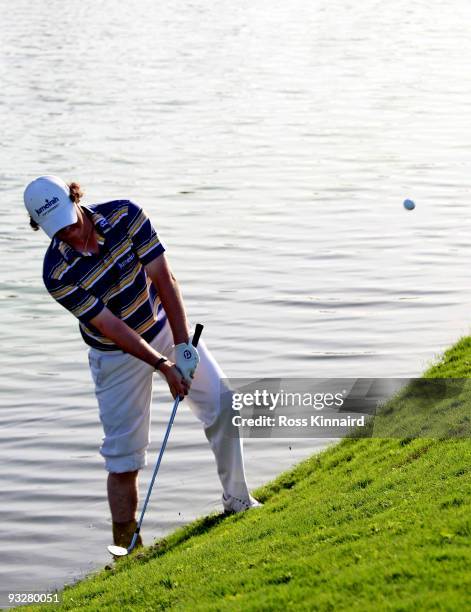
[197, 334]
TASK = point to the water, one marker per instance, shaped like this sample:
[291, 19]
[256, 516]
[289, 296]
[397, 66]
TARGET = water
[272, 145]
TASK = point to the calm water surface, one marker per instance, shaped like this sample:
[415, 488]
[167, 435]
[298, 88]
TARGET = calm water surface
[272, 144]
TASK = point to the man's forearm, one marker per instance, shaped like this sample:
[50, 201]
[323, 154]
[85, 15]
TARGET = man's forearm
[129, 340]
[169, 292]
[172, 302]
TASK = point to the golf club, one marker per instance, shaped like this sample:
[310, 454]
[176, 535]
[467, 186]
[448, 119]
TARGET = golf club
[120, 551]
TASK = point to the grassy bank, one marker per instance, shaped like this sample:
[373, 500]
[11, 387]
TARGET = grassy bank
[370, 524]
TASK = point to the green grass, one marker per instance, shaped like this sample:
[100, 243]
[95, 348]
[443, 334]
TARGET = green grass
[369, 524]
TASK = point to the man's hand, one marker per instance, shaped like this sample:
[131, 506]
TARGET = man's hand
[176, 383]
[187, 359]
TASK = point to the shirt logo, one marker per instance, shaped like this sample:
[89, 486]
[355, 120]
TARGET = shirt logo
[125, 262]
[47, 205]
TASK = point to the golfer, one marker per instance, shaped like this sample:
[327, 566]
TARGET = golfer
[107, 266]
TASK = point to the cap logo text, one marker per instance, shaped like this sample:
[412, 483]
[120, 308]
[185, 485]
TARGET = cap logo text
[48, 204]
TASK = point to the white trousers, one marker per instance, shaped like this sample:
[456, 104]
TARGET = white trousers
[123, 387]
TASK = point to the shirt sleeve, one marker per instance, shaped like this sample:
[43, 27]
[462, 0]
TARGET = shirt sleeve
[75, 299]
[143, 234]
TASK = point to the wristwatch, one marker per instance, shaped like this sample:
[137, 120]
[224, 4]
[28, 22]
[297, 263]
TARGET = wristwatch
[160, 362]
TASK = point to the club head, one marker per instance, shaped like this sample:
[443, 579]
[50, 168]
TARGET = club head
[118, 551]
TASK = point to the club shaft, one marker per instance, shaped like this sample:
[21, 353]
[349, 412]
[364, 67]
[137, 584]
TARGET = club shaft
[195, 340]
[156, 469]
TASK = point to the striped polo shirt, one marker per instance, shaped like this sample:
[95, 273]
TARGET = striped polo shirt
[114, 277]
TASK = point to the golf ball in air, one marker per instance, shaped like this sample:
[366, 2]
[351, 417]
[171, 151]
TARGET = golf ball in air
[409, 204]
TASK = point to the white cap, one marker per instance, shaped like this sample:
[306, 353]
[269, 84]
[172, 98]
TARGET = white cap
[47, 201]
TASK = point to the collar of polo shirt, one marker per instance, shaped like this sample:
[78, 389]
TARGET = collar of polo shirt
[101, 225]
